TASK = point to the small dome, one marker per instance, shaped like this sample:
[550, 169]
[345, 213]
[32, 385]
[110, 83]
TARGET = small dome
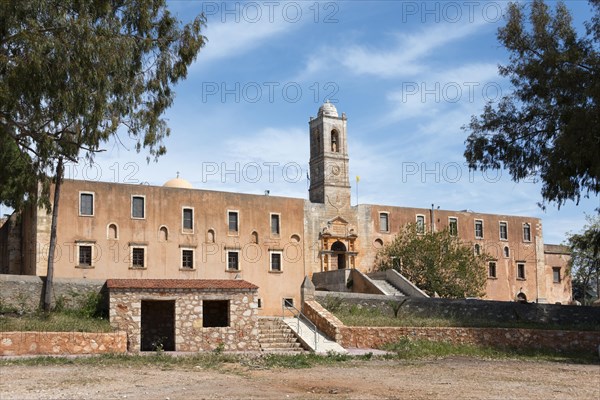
[178, 183]
[328, 109]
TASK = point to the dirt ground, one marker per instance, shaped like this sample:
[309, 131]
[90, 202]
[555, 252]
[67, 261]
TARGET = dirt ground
[454, 378]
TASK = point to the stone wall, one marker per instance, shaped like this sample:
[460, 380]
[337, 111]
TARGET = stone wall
[61, 343]
[325, 321]
[190, 335]
[465, 310]
[375, 337]
[369, 337]
[24, 292]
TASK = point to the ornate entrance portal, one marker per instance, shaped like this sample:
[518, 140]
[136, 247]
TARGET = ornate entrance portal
[337, 245]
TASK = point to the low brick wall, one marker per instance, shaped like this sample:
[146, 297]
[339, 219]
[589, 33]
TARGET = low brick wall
[375, 337]
[61, 343]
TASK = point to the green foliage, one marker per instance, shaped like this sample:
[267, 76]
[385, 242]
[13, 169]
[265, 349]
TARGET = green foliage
[332, 303]
[437, 262]
[585, 259]
[548, 126]
[64, 321]
[410, 349]
[74, 73]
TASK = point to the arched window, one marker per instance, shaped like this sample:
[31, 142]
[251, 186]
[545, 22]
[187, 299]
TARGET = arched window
[210, 236]
[295, 239]
[477, 249]
[112, 231]
[254, 237]
[335, 141]
[506, 252]
[163, 234]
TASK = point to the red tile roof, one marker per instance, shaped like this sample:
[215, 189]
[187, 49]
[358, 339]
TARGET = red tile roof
[179, 284]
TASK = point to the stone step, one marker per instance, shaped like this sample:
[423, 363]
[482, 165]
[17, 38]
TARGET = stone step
[387, 287]
[277, 340]
[276, 337]
[280, 345]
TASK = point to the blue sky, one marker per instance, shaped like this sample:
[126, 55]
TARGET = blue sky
[407, 74]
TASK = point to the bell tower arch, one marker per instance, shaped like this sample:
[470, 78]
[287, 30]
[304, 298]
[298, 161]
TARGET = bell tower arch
[329, 180]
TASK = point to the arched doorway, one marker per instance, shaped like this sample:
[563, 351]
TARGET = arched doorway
[339, 252]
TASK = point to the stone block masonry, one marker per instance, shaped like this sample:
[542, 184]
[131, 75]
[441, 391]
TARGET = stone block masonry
[61, 343]
[233, 314]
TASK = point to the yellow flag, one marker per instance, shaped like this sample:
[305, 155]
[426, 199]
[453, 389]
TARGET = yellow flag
[357, 178]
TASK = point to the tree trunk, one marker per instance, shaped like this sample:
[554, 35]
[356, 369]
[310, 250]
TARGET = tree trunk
[49, 287]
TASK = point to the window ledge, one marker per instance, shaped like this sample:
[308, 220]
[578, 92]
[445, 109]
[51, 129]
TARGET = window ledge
[86, 215]
[187, 269]
[187, 232]
[139, 268]
[521, 279]
[493, 277]
[233, 270]
[275, 272]
[85, 266]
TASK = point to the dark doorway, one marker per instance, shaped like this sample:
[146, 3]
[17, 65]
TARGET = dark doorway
[158, 325]
[339, 250]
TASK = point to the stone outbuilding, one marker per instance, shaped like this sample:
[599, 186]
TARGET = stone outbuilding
[185, 314]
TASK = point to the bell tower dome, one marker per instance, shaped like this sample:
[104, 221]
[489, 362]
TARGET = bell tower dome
[329, 181]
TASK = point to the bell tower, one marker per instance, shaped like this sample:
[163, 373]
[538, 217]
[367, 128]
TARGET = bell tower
[329, 181]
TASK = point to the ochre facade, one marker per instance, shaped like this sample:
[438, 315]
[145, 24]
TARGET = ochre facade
[112, 230]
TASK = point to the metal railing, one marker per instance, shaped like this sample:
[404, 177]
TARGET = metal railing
[298, 314]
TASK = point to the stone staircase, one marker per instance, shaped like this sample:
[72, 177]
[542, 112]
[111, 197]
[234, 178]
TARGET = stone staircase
[387, 288]
[276, 337]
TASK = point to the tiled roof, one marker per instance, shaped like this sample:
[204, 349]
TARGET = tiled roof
[556, 249]
[179, 284]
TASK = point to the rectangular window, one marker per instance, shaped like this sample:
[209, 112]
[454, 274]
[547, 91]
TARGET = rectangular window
[520, 271]
[85, 255]
[86, 204]
[503, 230]
[453, 226]
[258, 303]
[138, 257]
[384, 223]
[420, 224]
[288, 302]
[233, 261]
[276, 261]
[478, 229]
[275, 224]
[556, 274]
[492, 269]
[188, 219]
[232, 217]
[526, 232]
[187, 258]
[215, 313]
[137, 207]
